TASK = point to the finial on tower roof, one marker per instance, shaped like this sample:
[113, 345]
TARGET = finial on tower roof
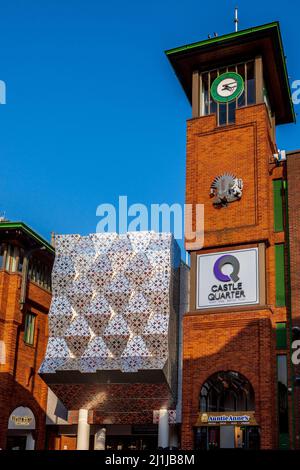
[236, 19]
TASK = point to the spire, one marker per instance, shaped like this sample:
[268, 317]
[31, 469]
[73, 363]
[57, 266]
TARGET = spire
[236, 19]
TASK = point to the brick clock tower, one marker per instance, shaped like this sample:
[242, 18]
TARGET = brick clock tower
[237, 387]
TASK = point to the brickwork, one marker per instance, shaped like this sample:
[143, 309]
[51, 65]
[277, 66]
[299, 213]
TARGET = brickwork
[231, 341]
[245, 150]
[20, 384]
[241, 341]
[293, 175]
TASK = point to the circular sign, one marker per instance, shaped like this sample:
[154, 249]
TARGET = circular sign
[227, 87]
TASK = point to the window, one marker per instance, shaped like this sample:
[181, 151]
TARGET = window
[14, 260]
[1, 256]
[40, 273]
[226, 112]
[278, 205]
[280, 278]
[29, 328]
[281, 339]
[226, 391]
[8, 257]
[267, 100]
[250, 83]
[21, 260]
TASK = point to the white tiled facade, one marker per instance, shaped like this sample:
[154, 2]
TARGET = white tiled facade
[112, 305]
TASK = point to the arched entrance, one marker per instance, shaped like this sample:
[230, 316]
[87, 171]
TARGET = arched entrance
[227, 413]
[21, 425]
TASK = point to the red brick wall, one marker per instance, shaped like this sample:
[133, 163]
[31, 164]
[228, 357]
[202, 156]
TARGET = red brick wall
[231, 341]
[243, 149]
[293, 175]
[20, 384]
[240, 341]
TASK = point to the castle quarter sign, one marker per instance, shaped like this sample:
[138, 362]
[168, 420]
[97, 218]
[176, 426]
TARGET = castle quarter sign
[228, 278]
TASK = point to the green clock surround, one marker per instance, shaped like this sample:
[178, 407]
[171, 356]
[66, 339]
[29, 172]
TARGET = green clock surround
[227, 87]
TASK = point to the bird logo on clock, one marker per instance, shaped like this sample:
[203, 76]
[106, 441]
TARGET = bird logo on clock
[227, 87]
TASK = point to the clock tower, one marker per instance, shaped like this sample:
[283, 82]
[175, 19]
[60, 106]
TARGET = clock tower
[237, 373]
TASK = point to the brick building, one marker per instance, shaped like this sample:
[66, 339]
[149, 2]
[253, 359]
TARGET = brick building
[25, 293]
[293, 206]
[114, 352]
[238, 385]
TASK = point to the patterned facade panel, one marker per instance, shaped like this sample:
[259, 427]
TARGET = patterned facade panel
[171, 416]
[110, 398]
[112, 303]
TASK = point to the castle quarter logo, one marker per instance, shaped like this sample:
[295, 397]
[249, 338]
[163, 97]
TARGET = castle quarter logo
[222, 261]
[231, 288]
[228, 278]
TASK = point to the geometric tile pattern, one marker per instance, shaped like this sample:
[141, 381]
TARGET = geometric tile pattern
[115, 398]
[112, 302]
[171, 416]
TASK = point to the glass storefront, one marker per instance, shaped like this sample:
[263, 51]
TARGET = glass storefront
[131, 443]
[227, 436]
[227, 413]
[16, 443]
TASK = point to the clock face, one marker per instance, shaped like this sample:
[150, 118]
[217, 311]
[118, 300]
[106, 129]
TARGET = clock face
[227, 87]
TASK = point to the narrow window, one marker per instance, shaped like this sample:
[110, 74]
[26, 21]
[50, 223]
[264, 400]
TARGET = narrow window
[250, 83]
[213, 105]
[14, 259]
[242, 99]
[8, 258]
[222, 114]
[205, 94]
[21, 260]
[1, 256]
[29, 328]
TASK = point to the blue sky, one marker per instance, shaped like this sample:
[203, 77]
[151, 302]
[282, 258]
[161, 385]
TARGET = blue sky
[94, 109]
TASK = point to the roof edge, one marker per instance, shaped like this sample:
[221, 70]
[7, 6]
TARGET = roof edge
[274, 24]
[29, 231]
[219, 40]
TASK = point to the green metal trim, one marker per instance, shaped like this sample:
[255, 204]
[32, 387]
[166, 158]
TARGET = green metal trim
[279, 275]
[289, 310]
[244, 32]
[285, 71]
[281, 335]
[220, 39]
[26, 229]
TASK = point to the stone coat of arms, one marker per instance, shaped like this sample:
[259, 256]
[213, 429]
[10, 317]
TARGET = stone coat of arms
[226, 188]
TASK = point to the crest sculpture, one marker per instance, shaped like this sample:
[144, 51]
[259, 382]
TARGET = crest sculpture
[226, 188]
